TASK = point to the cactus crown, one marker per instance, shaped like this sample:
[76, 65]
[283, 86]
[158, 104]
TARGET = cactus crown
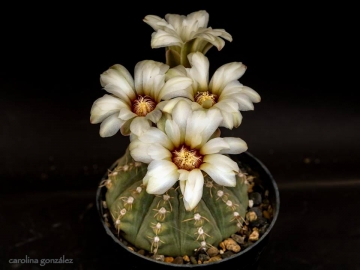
[176, 186]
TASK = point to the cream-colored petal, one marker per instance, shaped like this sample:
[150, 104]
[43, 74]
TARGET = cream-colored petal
[173, 132]
[125, 128]
[182, 184]
[116, 81]
[252, 94]
[194, 128]
[199, 18]
[139, 151]
[224, 75]
[165, 177]
[158, 152]
[155, 135]
[163, 38]
[139, 125]
[168, 105]
[221, 162]
[236, 146]
[154, 116]
[126, 114]
[154, 21]
[214, 119]
[149, 77]
[220, 177]
[178, 71]
[110, 126]
[194, 189]
[180, 114]
[199, 70]
[184, 174]
[214, 146]
[173, 86]
[105, 106]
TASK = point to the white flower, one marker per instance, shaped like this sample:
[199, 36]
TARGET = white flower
[224, 92]
[185, 34]
[133, 103]
[186, 147]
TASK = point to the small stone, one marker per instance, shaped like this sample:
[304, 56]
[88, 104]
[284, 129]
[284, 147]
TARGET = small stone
[131, 248]
[159, 258]
[238, 238]
[193, 260]
[254, 236]
[214, 259]
[212, 251]
[168, 259]
[255, 197]
[203, 257]
[221, 251]
[266, 193]
[251, 216]
[227, 254]
[250, 187]
[266, 214]
[186, 258]
[231, 245]
[178, 260]
[141, 252]
[259, 222]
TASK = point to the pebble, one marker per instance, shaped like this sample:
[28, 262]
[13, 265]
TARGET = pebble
[193, 260]
[227, 254]
[255, 197]
[214, 259]
[266, 214]
[178, 260]
[186, 258]
[259, 222]
[238, 239]
[254, 236]
[230, 244]
[251, 216]
[157, 257]
[203, 257]
[212, 251]
[168, 259]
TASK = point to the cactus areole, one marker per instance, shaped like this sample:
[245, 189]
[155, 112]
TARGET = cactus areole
[160, 224]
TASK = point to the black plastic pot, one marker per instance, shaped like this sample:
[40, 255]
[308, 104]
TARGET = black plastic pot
[246, 259]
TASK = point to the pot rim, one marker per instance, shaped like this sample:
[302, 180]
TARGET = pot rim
[263, 237]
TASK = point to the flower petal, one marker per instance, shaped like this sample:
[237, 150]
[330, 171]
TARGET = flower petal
[173, 86]
[150, 78]
[199, 71]
[163, 38]
[110, 126]
[126, 114]
[194, 188]
[158, 152]
[173, 132]
[224, 75]
[221, 162]
[118, 81]
[214, 146]
[220, 177]
[163, 176]
[154, 116]
[105, 106]
[154, 135]
[139, 125]
[139, 151]
[236, 146]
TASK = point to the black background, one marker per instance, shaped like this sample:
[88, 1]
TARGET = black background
[301, 59]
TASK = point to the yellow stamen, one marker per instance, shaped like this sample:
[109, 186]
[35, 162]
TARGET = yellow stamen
[187, 159]
[206, 99]
[142, 105]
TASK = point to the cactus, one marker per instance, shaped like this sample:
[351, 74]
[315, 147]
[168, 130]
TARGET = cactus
[160, 224]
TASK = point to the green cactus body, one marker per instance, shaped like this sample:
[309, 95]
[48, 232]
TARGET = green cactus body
[160, 224]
